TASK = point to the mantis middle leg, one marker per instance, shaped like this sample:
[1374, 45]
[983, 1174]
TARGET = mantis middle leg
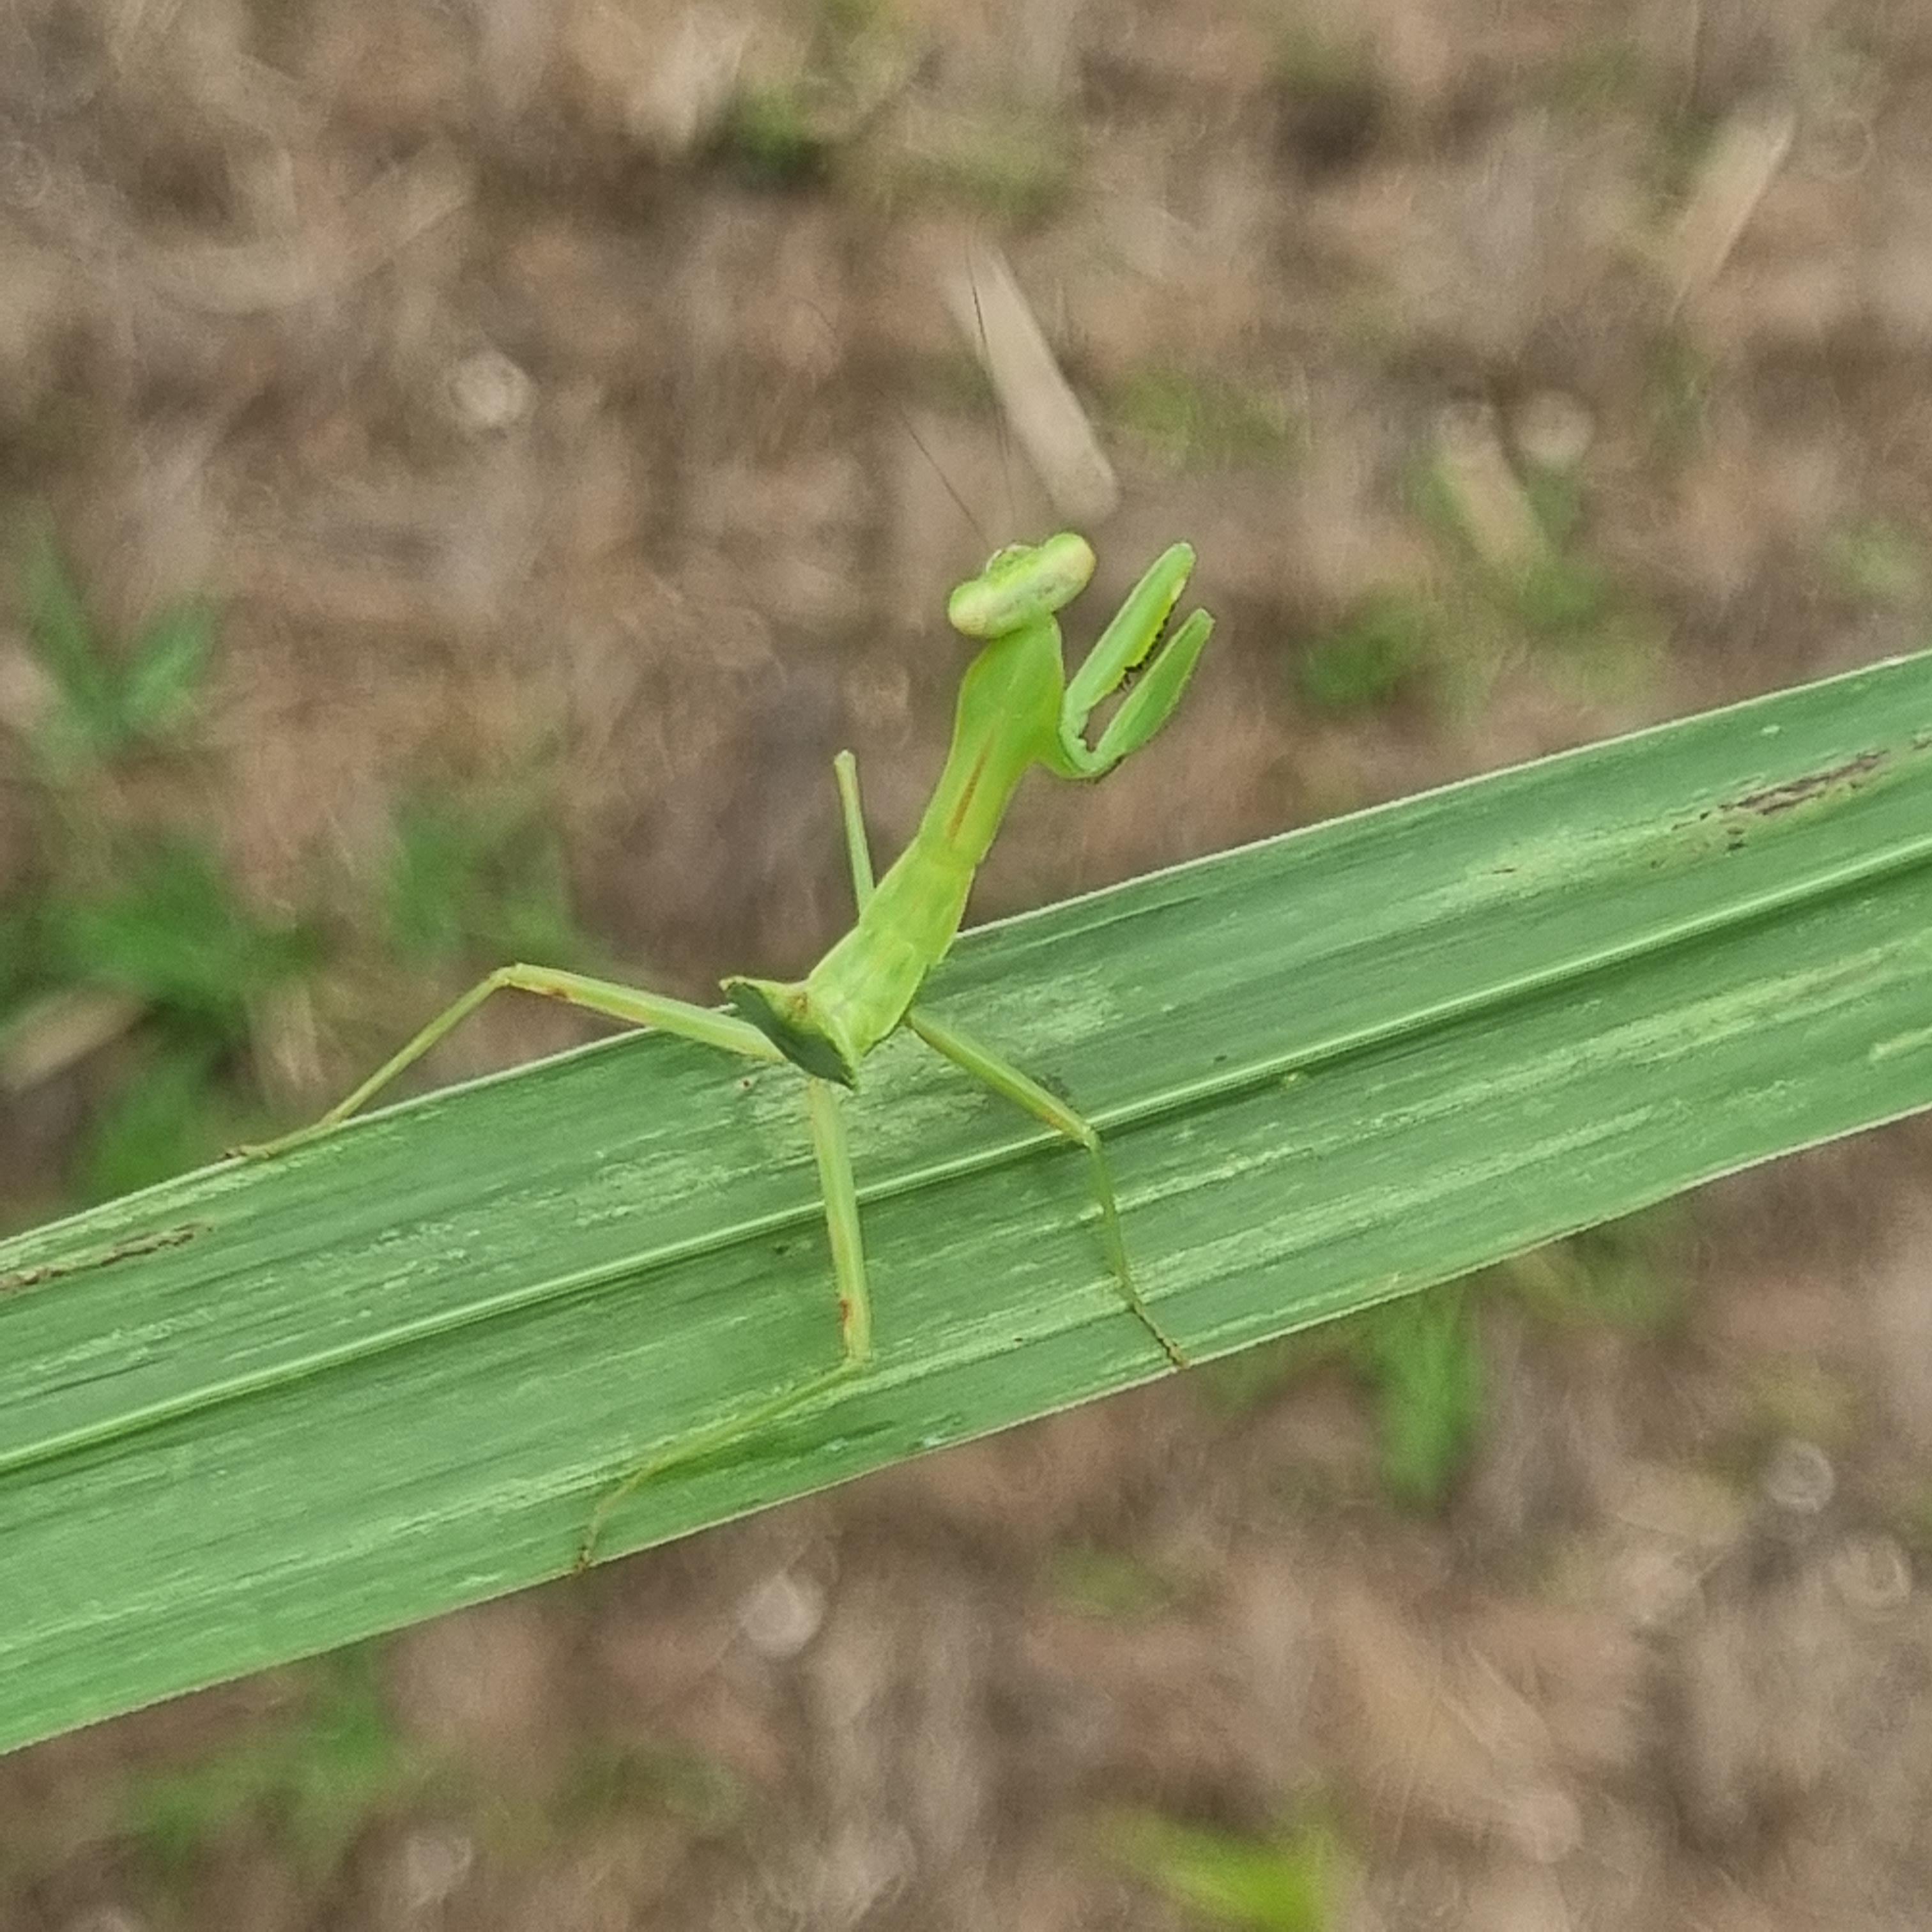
[1006, 1079]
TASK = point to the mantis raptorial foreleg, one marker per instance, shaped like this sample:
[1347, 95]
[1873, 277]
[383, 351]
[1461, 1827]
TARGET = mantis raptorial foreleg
[1135, 630]
[1003, 1078]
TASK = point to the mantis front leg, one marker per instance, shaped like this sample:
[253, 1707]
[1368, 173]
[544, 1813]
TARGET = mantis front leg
[1122, 647]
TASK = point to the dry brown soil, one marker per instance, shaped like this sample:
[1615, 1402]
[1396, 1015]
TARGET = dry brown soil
[569, 392]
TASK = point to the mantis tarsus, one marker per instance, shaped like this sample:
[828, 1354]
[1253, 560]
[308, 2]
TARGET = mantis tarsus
[1016, 708]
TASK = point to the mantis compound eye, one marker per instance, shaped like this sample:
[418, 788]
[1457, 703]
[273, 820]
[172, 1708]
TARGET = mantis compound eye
[1022, 584]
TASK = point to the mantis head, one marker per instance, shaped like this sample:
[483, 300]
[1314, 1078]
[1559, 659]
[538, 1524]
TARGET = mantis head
[1020, 584]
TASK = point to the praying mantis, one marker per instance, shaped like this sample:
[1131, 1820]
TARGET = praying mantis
[1016, 708]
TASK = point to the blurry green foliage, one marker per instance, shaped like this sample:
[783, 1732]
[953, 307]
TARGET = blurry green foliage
[701, 1790]
[1369, 658]
[1628, 1273]
[1284, 1884]
[170, 930]
[1422, 1357]
[1107, 1582]
[1677, 395]
[164, 1115]
[773, 137]
[1420, 1360]
[787, 129]
[1012, 164]
[1875, 562]
[111, 906]
[479, 880]
[311, 1782]
[1562, 594]
[1557, 590]
[173, 931]
[1203, 421]
[107, 701]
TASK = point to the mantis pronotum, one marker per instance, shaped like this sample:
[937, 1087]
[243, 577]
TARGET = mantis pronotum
[1016, 708]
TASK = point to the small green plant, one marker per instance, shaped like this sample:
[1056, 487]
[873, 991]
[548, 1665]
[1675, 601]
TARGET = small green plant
[121, 936]
[167, 1111]
[479, 877]
[774, 137]
[787, 128]
[1563, 595]
[139, 940]
[1370, 659]
[107, 701]
[1287, 1883]
[1422, 1359]
[170, 932]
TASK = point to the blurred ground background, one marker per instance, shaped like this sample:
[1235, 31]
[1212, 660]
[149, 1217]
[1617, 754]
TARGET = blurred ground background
[465, 467]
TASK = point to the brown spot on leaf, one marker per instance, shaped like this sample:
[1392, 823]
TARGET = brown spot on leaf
[1774, 799]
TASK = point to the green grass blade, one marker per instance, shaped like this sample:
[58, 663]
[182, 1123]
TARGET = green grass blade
[261, 1410]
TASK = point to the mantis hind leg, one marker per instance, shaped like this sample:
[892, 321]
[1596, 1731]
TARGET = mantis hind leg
[627, 1004]
[855, 1323]
[1004, 1078]
[635, 1007]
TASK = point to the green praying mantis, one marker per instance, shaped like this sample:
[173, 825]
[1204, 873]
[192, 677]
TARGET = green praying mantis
[1016, 708]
